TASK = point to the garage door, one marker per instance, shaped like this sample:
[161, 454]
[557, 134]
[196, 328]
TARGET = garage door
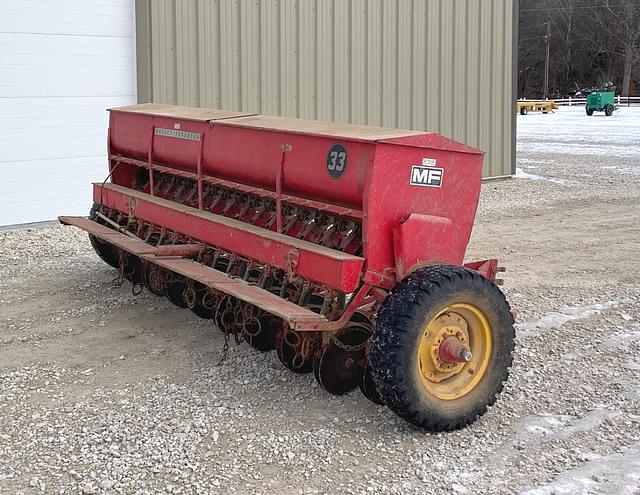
[61, 64]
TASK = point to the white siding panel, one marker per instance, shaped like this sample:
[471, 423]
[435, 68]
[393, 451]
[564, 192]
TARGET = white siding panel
[62, 63]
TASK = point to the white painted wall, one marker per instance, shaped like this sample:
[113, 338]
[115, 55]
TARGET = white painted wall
[62, 63]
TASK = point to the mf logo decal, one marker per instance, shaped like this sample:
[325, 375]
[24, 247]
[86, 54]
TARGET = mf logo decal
[336, 161]
[426, 176]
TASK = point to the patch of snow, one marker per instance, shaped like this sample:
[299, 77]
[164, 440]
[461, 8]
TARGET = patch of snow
[521, 174]
[544, 424]
[562, 426]
[579, 149]
[622, 170]
[571, 131]
[614, 474]
[632, 394]
[532, 160]
[589, 456]
[591, 421]
[623, 337]
[556, 319]
[631, 365]
[458, 488]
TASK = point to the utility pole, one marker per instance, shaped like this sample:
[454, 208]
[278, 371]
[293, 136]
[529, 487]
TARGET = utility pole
[547, 39]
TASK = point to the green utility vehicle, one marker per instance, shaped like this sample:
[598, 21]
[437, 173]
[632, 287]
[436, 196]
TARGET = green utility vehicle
[601, 101]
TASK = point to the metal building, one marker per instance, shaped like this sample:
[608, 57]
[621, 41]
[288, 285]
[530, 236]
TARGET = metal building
[62, 62]
[438, 65]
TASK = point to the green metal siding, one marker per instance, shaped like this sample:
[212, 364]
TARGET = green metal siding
[437, 65]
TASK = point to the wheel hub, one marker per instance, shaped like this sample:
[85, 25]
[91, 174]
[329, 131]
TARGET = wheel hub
[453, 351]
[446, 337]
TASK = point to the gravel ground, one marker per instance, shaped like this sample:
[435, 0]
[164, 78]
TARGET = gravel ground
[105, 392]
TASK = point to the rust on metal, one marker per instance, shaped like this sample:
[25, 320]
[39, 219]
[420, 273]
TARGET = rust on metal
[181, 250]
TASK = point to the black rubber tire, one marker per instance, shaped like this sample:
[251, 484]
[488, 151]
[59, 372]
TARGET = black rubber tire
[608, 110]
[397, 332]
[368, 388]
[589, 111]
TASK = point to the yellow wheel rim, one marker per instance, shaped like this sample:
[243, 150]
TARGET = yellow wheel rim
[448, 380]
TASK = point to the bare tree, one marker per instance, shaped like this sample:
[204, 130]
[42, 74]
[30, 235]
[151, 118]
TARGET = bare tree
[565, 26]
[620, 19]
[592, 42]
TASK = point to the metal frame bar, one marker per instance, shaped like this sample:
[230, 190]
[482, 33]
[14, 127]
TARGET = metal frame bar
[176, 259]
